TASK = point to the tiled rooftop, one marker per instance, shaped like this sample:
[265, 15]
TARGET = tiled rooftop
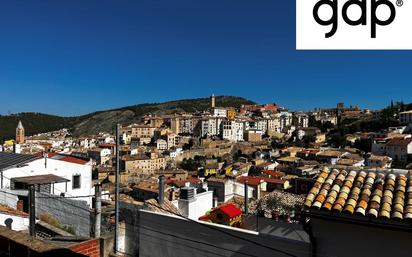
[251, 181]
[379, 158]
[347, 162]
[11, 159]
[399, 142]
[7, 210]
[365, 193]
[166, 208]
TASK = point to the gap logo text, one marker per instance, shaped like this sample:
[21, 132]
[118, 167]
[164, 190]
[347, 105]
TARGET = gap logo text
[353, 24]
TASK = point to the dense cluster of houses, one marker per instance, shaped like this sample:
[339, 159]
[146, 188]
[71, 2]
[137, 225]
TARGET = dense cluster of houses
[214, 167]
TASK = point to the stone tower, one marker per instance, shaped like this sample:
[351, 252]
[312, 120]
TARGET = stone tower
[213, 101]
[20, 133]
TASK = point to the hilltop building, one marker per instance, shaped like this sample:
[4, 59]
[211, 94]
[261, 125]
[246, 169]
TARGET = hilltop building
[213, 101]
[405, 117]
[20, 135]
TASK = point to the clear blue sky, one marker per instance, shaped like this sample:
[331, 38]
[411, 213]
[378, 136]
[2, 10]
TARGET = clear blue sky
[76, 56]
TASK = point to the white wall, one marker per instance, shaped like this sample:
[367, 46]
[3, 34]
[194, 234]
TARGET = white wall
[59, 168]
[105, 152]
[400, 152]
[233, 188]
[18, 224]
[197, 207]
[219, 112]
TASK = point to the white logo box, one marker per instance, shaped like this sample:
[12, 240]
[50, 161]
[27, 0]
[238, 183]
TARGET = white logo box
[310, 35]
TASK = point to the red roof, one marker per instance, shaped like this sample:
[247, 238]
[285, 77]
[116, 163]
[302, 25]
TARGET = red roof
[274, 181]
[107, 145]
[183, 182]
[64, 158]
[251, 181]
[168, 181]
[256, 181]
[230, 210]
[194, 180]
[73, 160]
[276, 174]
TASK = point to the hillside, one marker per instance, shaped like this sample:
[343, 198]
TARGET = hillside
[104, 120]
[33, 123]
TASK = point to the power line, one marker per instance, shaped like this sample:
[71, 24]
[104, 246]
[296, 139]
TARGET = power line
[179, 215]
[190, 240]
[173, 235]
[171, 212]
[224, 232]
[69, 197]
[50, 197]
[57, 196]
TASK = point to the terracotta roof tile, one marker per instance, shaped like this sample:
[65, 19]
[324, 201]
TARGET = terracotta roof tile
[251, 181]
[8, 210]
[375, 194]
[399, 142]
[166, 208]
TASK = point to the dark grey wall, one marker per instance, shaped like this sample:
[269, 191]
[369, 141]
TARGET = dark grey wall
[164, 236]
[69, 212]
[337, 239]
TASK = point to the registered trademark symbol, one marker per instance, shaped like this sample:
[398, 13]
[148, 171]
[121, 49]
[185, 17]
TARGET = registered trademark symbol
[399, 3]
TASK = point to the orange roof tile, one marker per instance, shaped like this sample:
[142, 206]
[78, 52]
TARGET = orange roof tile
[373, 194]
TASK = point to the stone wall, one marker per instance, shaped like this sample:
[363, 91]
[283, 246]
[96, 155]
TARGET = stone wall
[73, 213]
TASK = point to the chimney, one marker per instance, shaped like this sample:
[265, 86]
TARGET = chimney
[20, 205]
[187, 193]
[8, 222]
[45, 155]
[161, 189]
[16, 148]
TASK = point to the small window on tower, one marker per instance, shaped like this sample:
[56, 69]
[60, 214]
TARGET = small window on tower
[76, 182]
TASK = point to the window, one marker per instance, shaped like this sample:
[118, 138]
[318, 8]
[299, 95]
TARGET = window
[76, 182]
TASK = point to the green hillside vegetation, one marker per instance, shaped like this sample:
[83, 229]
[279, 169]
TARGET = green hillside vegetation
[388, 118]
[35, 123]
[187, 105]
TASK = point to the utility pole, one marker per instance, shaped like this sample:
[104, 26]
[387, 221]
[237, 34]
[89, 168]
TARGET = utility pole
[246, 198]
[32, 211]
[117, 182]
[98, 211]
